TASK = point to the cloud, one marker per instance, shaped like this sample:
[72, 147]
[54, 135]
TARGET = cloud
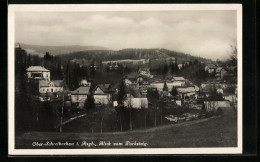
[203, 34]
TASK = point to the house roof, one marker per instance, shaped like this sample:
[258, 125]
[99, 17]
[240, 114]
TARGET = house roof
[81, 90]
[45, 83]
[103, 87]
[132, 75]
[37, 68]
[185, 89]
[178, 78]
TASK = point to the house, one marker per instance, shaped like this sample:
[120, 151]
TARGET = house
[210, 68]
[206, 87]
[213, 106]
[187, 92]
[52, 86]
[79, 96]
[180, 66]
[137, 82]
[38, 73]
[157, 85]
[180, 81]
[220, 73]
[134, 100]
[50, 90]
[145, 72]
[103, 94]
[85, 83]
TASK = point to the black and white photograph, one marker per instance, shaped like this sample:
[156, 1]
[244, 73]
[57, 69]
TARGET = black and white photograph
[125, 79]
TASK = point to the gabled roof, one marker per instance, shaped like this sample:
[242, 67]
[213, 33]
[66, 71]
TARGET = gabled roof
[45, 83]
[104, 87]
[185, 89]
[37, 68]
[132, 75]
[178, 78]
[81, 90]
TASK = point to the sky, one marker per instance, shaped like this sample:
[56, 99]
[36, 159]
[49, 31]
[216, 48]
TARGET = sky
[206, 34]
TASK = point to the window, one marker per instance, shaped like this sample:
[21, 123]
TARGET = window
[43, 89]
[51, 90]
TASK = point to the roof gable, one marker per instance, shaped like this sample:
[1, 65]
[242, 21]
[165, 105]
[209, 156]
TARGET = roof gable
[37, 68]
[81, 90]
[46, 83]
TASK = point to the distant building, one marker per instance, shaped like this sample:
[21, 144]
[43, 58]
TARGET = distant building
[53, 86]
[180, 66]
[134, 100]
[50, 90]
[137, 82]
[103, 94]
[220, 73]
[79, 96]
[210, 68]
[170, 84]
[145, 72]
[38, 73]
[85, 83]
[188, 91]
[206, 87]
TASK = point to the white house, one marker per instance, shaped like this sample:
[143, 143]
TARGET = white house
[134, 100]
[52, 86]
[49, 90]
[103, 94]
[38, 73]
[188, 91]
[145, 72]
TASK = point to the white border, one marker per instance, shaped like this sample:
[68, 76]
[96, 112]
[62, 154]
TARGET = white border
[117, 7]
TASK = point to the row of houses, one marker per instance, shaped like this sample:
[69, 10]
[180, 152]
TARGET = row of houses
[137, 87]
[219, 71]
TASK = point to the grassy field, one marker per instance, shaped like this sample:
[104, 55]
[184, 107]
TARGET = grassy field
[209, 132]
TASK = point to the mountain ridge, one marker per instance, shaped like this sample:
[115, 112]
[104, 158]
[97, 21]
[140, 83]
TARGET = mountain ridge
[40, 50]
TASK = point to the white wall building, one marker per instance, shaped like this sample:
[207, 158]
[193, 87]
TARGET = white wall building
[38, 72]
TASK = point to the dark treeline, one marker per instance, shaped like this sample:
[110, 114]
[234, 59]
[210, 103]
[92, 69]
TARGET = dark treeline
[128, 54]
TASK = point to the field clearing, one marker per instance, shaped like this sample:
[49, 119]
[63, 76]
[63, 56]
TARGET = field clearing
[210, 132]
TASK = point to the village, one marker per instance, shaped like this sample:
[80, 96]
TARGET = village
[139, 96]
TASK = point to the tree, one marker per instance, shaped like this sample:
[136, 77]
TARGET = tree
[174, 91]
[121, 97]
[90, 102]
[153, 98]
[233, 57]
[165, 69]
[214, 95]
[165, 88]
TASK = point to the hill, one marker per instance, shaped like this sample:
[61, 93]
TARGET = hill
[160, 55]
[57, 50]
[210, 132]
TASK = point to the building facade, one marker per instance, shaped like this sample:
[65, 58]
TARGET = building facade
[38, 73]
